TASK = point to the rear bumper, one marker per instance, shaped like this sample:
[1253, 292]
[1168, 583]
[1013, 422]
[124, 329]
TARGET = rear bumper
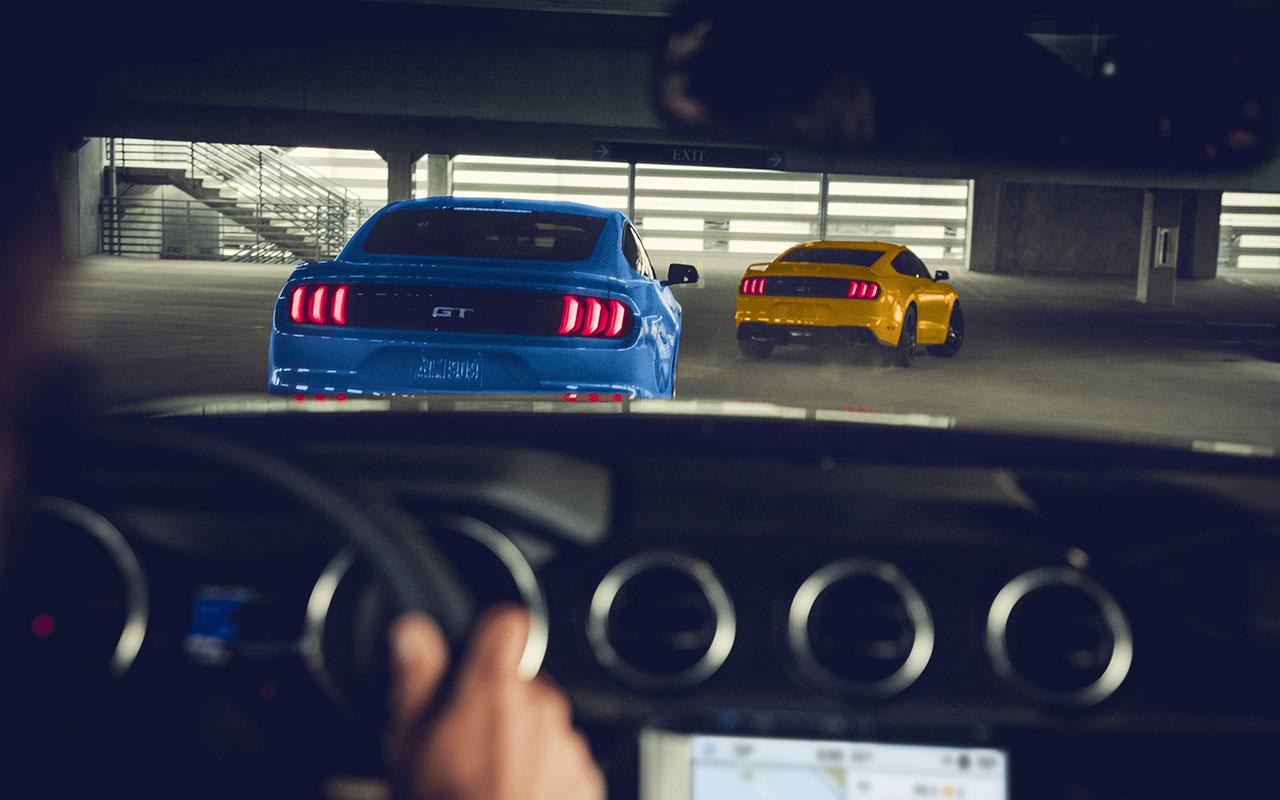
[779, 317]
[445, 364]
[813, 335]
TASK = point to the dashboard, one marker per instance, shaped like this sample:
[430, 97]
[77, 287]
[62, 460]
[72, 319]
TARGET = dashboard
[737, 607]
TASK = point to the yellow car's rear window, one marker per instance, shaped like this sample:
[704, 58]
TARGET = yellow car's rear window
[833, 255]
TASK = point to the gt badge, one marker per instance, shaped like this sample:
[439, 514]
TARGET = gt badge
[450, 311]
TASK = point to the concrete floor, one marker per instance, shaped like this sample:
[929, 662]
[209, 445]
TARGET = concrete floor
[1075, 354]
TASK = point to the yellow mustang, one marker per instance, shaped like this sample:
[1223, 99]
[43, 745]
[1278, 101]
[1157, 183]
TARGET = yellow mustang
[823, 293]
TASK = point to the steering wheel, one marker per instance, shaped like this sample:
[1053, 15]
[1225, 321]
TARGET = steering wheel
[414, 572]
[414, 576]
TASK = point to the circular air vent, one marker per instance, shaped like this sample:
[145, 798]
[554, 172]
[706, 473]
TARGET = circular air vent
[1056, 634]
[661, 620]
[860, 627]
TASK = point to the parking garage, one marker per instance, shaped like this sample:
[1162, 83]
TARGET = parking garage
[1140, 306]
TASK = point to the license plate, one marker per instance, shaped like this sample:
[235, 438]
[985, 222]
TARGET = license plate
[798, 312]
[453, 373]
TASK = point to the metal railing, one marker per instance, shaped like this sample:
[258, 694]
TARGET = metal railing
[252, 171]
[191, 229]
[289, 210]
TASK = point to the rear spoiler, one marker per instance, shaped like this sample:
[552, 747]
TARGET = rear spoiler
[758, 267]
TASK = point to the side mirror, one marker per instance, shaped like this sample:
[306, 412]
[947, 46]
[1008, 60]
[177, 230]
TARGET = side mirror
[941, 275]
[681, 273]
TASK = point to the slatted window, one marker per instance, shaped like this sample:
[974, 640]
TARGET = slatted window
[1250, 231]
[591, 182]
[687, 212]
[361, 171]
[704, 210]
[929, 216]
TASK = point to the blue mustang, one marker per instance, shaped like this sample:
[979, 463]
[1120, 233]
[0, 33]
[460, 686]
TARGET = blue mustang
[457, 295]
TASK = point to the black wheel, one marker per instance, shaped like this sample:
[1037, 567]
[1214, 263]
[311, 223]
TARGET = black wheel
[900, 355]
[955, 335]
[755, 348]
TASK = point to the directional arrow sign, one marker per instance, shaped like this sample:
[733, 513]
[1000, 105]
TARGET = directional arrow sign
[689, 154]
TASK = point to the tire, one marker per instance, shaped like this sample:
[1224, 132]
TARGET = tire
[754, 348]
[955, 335]
[899, 355]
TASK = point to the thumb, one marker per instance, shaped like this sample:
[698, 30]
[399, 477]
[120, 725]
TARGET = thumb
[419, 662]
[497, 647]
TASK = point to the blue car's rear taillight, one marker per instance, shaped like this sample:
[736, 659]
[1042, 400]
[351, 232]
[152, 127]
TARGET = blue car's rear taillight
[318, 305]
[298, 304]
[591, 316]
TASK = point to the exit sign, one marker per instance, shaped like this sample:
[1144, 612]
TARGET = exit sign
[688, 154]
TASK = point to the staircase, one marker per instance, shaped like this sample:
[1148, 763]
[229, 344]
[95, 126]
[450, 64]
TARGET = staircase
[241, 203]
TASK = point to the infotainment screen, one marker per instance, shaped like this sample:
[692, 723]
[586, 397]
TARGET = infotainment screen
[690, 767]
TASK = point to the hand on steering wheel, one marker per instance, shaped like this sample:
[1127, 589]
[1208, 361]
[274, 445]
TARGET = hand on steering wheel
[496, 736]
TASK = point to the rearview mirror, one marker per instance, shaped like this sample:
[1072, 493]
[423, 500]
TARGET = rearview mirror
[941, 275]
[681, 273]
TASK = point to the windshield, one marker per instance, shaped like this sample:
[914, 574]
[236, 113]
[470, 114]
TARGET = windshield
[484, 234]
[1064, 297]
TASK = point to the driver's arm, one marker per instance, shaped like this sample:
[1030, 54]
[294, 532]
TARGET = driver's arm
[496, 736]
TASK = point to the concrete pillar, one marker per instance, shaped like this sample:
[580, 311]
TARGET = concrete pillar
[401, 165]
[983, 248]
[631, 192]
[439, 175]
[1144, 248]
[1198, 241]
[824, 199]
[79, 175]
[1160, 238]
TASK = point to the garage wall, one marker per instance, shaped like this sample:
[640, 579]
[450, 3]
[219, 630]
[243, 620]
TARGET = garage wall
[1053, 228]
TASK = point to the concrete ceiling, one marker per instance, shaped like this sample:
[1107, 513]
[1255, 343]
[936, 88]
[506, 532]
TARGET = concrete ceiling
[627, 8]
[515, 77]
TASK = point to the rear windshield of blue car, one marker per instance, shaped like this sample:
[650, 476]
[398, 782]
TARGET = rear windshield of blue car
[485, 233]
[833, 255]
